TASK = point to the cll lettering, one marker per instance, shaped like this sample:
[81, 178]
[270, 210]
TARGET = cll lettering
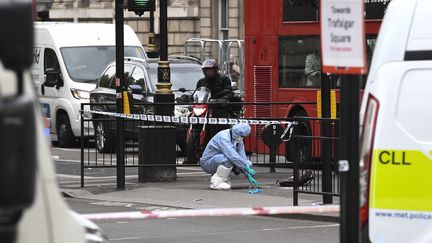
[393, 157]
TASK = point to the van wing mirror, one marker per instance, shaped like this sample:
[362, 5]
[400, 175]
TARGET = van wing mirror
[52, 77]
[18, 153]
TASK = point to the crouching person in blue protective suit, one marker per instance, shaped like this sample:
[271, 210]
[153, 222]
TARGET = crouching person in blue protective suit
[225, 153]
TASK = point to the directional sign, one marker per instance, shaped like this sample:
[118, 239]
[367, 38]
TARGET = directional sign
[342, 36]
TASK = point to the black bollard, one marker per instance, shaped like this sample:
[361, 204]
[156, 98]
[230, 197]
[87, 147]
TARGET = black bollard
[271, 136]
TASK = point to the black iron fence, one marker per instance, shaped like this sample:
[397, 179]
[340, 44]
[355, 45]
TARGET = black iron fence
[157, 145]
[315, 169]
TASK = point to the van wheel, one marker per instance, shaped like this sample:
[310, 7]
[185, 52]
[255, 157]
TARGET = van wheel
[65, 135]
[105, 142]
[299, 150]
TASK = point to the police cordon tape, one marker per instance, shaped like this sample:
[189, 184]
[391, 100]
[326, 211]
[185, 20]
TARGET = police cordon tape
[261, 211]
[191, 119]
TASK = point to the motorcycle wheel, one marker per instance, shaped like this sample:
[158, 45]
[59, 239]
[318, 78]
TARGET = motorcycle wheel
[104, 138]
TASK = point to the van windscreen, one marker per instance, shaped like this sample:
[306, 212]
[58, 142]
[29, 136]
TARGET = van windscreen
[86, 64]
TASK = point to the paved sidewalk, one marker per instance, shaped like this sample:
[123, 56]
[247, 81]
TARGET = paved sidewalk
[193, 192]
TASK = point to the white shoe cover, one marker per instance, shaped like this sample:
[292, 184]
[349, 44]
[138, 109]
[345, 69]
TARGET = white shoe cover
[220, 180]
[228, 181]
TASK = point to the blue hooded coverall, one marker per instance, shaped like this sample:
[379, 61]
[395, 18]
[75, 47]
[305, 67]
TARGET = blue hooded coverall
[222, 149]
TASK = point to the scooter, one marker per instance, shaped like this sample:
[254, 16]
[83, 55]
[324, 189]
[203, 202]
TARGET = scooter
[196, 134]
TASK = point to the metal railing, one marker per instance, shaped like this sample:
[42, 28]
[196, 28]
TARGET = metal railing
[303, 152]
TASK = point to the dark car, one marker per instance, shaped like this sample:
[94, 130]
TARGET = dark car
[141, 78]
[141, 92]
[185, 73]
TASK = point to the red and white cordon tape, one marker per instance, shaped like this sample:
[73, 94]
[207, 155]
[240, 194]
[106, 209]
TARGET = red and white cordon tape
[262, 211]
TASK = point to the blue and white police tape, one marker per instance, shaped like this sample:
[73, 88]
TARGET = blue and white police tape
[191, 119]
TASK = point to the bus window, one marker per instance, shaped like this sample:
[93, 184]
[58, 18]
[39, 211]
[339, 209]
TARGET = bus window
[293, 53]
[300, 64]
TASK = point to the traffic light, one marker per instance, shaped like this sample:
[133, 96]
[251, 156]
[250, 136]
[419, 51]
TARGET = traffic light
[140, 6]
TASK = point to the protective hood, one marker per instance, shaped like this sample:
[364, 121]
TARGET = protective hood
[240, 130]
[222, 149]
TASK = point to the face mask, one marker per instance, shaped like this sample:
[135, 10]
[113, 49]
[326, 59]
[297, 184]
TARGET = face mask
[238, 140]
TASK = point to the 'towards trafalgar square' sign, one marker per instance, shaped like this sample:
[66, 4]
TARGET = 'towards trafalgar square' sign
[342, 36]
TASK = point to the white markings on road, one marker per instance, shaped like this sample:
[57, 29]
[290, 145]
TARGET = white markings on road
[94, 178]
[70, 181]
[113, 204]
[99, 160]
[301, 227]
[68, 149]
[128, 238]
[230, 232]
[191, 173]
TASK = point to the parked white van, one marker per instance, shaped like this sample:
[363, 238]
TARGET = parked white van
[396, 137]
[68, 59]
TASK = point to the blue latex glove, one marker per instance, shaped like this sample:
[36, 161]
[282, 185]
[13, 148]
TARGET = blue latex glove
[252, 181]
[254, 191]
[249, 170]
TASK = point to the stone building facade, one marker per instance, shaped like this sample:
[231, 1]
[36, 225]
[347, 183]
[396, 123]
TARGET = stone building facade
[213, 19]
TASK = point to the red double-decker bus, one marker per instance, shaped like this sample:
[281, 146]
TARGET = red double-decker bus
[282, 55]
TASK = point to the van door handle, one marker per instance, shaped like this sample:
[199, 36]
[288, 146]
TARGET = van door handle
[42, 89]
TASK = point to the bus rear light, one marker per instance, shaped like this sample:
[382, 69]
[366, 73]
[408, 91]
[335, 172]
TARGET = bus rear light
[366, 151]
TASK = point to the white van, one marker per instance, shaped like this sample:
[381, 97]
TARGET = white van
[68, 60]
[396, 136]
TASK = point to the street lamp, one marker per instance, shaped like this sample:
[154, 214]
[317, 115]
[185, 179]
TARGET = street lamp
[164, 93]
[140, 6]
